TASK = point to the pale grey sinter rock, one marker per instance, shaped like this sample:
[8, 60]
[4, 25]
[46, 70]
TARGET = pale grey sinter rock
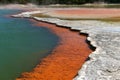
[104, 63]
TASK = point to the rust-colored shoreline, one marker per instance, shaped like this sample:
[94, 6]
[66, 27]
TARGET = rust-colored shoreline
[65, 60]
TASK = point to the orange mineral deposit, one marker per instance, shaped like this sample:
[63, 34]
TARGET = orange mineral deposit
[65, 60]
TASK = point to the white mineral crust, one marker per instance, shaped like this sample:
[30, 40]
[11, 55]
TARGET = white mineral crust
[104, 63]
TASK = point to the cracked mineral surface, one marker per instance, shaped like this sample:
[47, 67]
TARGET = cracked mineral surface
[104, 63]
[105, 60]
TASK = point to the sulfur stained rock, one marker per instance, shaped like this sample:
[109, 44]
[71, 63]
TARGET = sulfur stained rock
[104, 63]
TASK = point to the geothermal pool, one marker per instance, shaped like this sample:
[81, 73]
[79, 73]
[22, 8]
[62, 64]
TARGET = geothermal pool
[22, 45]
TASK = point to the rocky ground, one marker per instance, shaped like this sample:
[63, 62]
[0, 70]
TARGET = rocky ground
[104, 63]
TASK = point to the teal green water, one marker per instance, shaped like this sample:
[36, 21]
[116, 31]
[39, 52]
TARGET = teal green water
[22, 45]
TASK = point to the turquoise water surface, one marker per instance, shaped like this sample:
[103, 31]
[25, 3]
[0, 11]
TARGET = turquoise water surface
[22, 45]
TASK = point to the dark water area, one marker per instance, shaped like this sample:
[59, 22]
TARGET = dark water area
[22, 45]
